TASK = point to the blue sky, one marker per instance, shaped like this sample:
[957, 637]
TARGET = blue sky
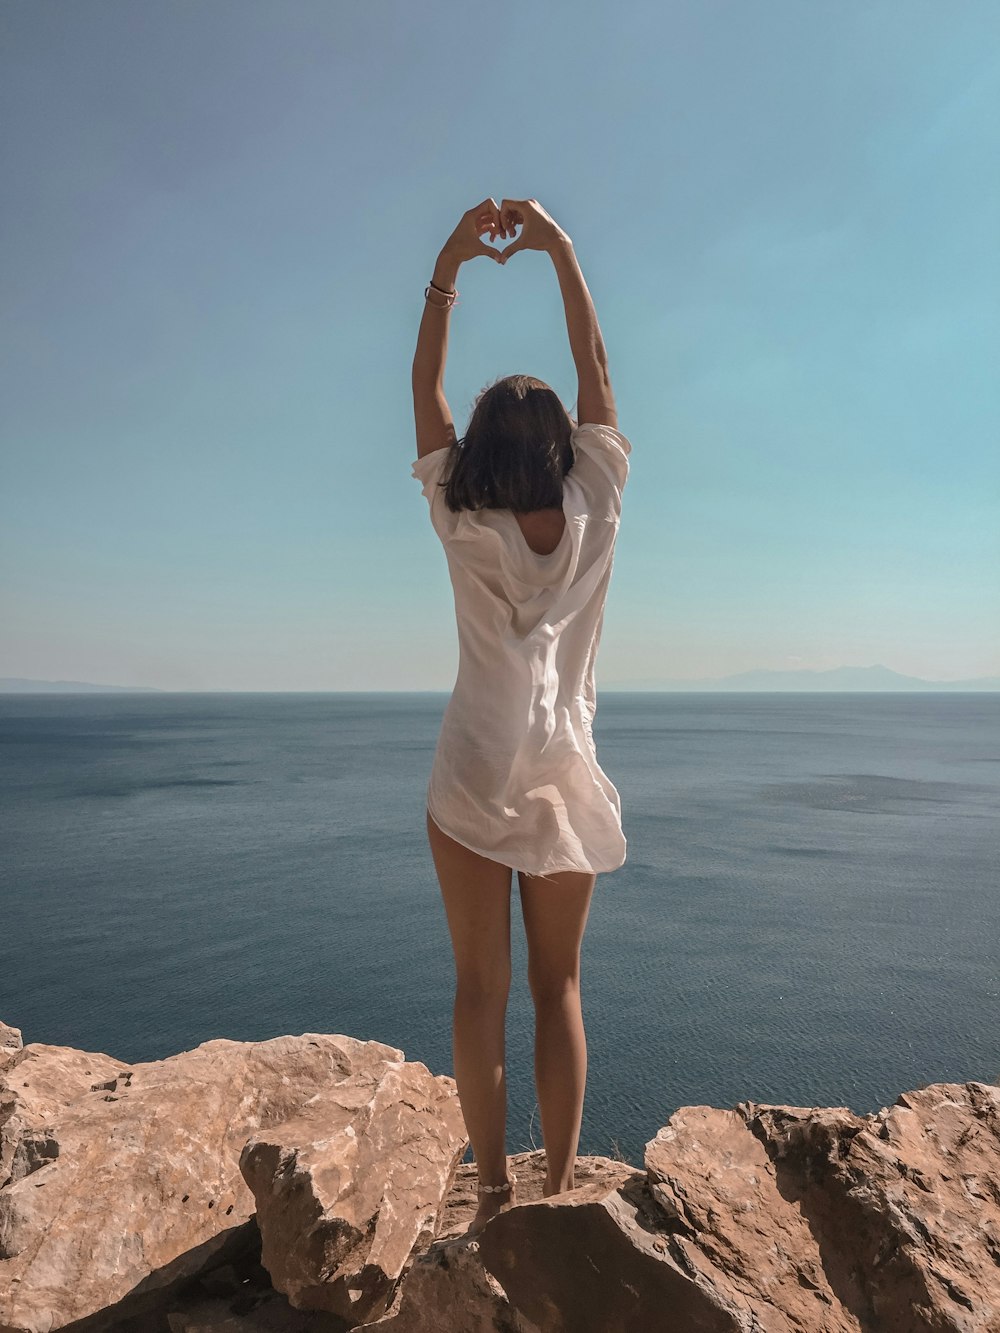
[218, 222]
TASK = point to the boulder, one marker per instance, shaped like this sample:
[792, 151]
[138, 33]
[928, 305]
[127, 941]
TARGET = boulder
[123, 1181]
[903, 1205]
[348, 1189]
[315, 1183]
[775, 1218]
[10, 1043]
[449, 1287]
[37, 1087]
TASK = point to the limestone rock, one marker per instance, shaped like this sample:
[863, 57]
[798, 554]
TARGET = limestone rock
[449, 1287]
[904, 1204]
[37, 1086]
[234, 1298]
[123, 1180]
[126, 1207]
[10, 1043]
[763, 1218]
[348, 1189]
[597, 1259]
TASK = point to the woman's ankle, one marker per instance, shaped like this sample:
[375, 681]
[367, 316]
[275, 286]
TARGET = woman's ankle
[557, 1186]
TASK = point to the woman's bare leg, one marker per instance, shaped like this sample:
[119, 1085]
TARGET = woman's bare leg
[476, 894]
[555, 910]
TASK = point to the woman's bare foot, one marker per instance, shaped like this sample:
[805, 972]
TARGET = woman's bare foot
[490, 1205]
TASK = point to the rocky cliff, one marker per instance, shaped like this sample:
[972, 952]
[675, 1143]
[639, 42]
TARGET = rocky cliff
[316, 1183]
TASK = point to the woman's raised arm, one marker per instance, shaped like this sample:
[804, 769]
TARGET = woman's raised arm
[539, 231]
[463, 244]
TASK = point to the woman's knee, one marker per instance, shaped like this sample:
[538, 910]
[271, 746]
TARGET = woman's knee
[483, 988]
[553, 987]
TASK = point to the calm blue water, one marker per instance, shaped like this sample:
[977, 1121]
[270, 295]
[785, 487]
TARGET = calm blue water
[809, 913]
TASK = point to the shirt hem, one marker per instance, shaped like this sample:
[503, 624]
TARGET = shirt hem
[548, 870]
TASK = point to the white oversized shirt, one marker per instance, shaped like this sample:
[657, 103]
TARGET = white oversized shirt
[515, 775]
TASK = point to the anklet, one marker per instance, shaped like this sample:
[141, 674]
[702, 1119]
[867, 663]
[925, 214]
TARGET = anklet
[498, 1189]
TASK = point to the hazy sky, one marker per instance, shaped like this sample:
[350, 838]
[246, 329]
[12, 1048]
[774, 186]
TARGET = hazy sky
[217, 223]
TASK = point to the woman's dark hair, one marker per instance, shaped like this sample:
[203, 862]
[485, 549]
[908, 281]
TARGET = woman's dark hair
[515, 451]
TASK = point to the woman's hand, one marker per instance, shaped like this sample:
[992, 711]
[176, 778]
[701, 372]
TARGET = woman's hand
[539, 231]
[464, 242]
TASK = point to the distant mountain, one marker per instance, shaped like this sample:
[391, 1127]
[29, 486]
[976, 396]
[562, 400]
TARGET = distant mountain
[838, 679]
[22, 685]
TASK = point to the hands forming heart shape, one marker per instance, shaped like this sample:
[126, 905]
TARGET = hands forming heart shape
[538, 229]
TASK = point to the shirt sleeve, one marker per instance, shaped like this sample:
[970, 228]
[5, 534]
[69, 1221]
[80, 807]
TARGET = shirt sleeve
[429, 471]
[602, 460]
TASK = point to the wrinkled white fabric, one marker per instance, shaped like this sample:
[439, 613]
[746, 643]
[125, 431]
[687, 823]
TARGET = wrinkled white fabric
[515, 775]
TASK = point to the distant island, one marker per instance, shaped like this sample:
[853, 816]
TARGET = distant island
[843, 680]
[22, 685]
[838, 680]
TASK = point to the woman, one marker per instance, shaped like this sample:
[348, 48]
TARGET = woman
[527, 506]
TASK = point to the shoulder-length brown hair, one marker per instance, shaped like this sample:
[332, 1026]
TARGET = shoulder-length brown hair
[515, 451]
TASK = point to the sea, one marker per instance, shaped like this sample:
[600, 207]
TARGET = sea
[809, 912]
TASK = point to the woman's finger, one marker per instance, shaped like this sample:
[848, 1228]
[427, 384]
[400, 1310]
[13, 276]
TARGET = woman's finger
[496, 215]
[489, 206]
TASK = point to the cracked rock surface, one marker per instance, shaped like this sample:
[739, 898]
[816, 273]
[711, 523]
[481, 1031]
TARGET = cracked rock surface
[315, 1184]
[119, 1182]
